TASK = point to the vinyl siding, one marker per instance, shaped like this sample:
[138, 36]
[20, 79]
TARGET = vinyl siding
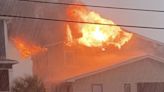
[146, 70]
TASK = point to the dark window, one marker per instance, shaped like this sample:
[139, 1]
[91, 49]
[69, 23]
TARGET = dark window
[127, 87]
[97, 88]
[4, 80]
[2, 40]
[150, 87]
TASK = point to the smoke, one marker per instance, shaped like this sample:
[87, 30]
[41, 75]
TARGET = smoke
[37, 31]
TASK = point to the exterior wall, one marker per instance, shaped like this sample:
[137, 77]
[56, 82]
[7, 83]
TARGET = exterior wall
[10, 78]
[113, 80]
[10, 75]
[6, 80]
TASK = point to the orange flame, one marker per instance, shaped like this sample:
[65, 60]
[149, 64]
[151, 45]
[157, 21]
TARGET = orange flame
[69, 36]
[27, 49]
[94, 35]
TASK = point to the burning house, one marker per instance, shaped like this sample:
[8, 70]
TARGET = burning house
[80, 69]
[83, 57]
[92, 53]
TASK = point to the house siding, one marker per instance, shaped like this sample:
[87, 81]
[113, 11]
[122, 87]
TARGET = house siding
[148, 70]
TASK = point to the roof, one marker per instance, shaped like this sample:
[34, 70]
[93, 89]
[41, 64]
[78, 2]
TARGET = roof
[7, 61]
[125, 62]
[144, 37]
[148, 39]
[85, 62]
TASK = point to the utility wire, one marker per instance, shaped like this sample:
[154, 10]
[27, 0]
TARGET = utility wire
[108, 7]
[70, 21]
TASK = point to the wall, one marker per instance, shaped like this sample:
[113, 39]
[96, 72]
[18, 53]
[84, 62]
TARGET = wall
[113, 80]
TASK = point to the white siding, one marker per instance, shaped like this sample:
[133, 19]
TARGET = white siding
[113, 80]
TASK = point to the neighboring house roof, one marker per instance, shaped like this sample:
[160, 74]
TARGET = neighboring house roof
[125, 62]
[8, 61]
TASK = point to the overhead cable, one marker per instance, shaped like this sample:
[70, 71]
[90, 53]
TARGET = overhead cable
[96, 6]
[72, 21]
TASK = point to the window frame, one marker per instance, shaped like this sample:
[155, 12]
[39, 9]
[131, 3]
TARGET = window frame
[100, 85]
[127, 87]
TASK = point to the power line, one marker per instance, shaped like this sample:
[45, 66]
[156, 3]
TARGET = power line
[109, 7]
[70, 21]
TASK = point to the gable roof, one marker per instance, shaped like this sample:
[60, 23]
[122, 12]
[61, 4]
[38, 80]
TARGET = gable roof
[148, 39]
[125, 62]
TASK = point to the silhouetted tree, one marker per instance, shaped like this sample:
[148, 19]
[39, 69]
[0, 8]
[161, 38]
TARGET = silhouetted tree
[28, 84]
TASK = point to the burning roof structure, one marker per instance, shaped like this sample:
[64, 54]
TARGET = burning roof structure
[88, 47]
[93, 35]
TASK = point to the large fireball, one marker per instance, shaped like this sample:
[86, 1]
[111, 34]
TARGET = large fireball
[93, 35]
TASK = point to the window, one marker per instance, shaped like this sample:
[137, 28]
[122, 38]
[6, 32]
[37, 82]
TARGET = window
[150, 87]
[2, 40]
[127, 87]
[4, 80]
[97, 88]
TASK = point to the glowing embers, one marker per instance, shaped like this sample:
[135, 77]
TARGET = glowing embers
[93, 35]
[27, 49]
